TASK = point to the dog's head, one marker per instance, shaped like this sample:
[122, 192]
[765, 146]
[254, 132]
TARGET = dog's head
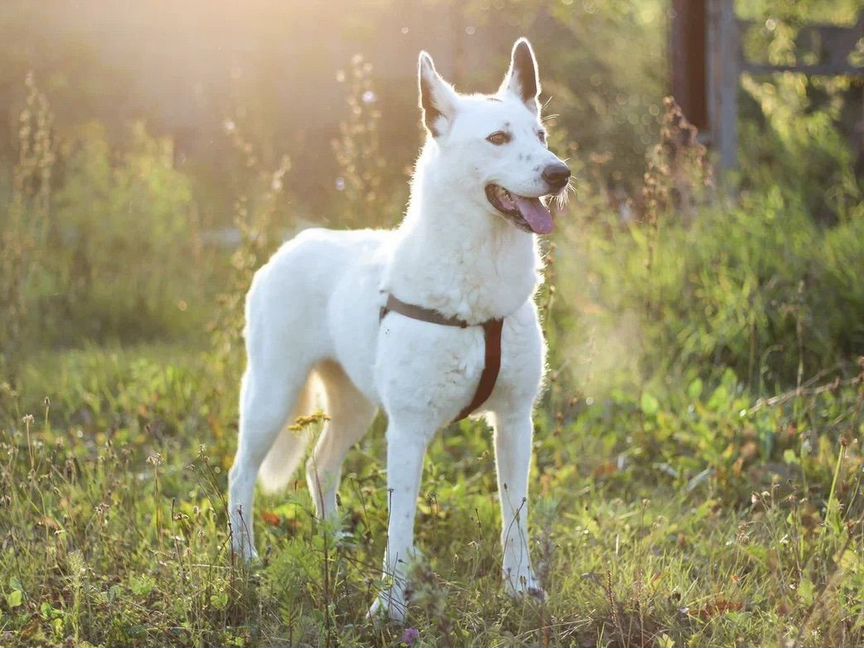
[496, 144]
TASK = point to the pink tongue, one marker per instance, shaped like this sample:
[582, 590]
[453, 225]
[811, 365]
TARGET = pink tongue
[535, 214]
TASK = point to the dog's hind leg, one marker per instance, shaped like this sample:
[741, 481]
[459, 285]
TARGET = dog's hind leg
[268, 398]
[350, 417]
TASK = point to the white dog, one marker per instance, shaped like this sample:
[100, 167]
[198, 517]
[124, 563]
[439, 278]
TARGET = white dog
[465, 255]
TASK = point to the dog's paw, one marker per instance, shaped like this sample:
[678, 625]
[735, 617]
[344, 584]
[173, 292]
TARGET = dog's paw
[244, 551]
[524, 585]
[537, 593]
[341, 537]
[248, 557]
[387, 606]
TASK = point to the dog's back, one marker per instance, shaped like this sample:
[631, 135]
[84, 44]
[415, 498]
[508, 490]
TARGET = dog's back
[293, 289]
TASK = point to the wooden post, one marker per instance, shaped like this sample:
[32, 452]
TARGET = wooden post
[706, 63]
[724, 70]
[687, 58]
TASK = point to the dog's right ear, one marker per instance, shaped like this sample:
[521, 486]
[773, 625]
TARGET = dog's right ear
[522, 79]
[438, 99]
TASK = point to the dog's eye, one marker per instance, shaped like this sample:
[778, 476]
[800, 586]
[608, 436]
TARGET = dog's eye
[541, 135]
[498, 138]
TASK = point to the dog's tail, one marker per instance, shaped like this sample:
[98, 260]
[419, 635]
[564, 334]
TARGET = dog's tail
[284, 456]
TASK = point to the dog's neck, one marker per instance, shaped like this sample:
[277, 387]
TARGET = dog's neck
[454, 254]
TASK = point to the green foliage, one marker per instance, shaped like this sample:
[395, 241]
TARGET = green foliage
[86, 583]
[798, 133]
[698, 466]
[118, 214]
[97, 244]
[115, 528]
[23, 225]
[722, 440]
[757, 287]
[798, 148]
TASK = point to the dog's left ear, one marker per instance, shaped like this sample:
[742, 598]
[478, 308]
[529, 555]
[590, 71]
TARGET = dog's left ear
[522, 78]
[438, 99]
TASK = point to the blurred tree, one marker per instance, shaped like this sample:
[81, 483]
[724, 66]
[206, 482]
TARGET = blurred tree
[183, 68]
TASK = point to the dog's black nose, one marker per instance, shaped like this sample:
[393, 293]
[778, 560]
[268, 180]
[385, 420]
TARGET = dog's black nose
[556, 175]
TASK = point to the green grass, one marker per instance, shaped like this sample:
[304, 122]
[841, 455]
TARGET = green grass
[113, 527]
[697, 463]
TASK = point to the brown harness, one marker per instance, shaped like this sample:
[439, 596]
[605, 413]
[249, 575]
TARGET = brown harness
[491, 333]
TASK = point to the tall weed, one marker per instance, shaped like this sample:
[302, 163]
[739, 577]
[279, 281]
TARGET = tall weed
[364, 183]
[23, 230]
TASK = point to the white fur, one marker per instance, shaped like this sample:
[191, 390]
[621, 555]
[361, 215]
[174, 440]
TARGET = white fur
[313, 312]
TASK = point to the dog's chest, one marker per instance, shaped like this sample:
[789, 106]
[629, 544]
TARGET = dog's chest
[432, 370]
[461, 274]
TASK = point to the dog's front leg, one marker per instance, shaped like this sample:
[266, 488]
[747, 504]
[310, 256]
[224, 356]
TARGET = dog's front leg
[406, 446]
[513, 433]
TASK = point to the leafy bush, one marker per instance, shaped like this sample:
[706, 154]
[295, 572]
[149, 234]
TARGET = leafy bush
[123, 259]
[795, 145]
[757, 286]
[23, 221]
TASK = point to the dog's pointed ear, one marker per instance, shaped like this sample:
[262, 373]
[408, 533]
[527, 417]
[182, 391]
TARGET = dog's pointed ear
[438, 99]
[522, 78]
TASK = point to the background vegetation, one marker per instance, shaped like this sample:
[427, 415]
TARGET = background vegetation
[698, 457]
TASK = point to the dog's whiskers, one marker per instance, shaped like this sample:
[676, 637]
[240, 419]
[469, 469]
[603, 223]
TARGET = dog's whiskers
[562, 198]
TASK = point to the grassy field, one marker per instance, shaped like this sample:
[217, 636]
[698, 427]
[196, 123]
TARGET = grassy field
[114, 531]
[697, 454]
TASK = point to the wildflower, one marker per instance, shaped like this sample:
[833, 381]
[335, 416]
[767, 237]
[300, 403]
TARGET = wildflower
[410, 636]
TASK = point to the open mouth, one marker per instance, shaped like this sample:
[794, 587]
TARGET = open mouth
[528, 214]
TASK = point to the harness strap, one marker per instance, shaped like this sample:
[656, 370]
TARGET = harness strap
[419, 313]
[491, 334]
